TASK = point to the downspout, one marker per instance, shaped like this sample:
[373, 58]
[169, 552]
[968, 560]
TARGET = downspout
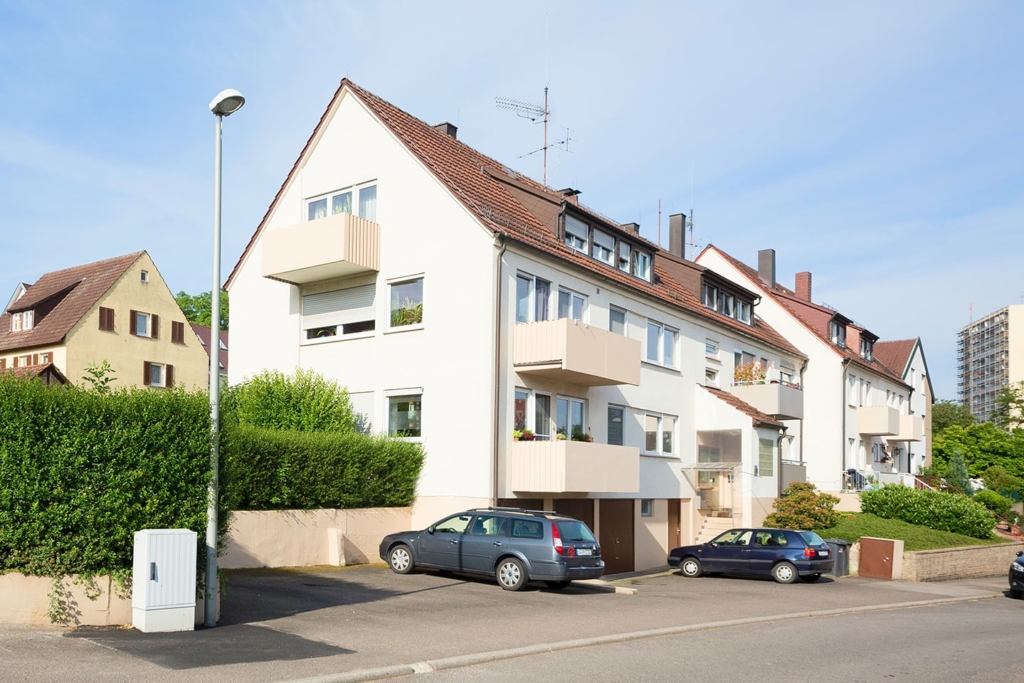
[778, 448]
[842, 407]
[500, 244]
[803, 386]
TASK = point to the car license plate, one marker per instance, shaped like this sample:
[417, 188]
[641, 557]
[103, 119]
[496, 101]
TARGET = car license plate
[822, 553]
[584, 552]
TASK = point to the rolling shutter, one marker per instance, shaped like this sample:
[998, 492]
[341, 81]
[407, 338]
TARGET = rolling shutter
[339, 307]
[578, 228]
[362, 408]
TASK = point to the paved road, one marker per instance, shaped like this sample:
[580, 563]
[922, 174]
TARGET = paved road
[287, 625]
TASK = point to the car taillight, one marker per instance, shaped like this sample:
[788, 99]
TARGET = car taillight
[556, 539]
[810, 552]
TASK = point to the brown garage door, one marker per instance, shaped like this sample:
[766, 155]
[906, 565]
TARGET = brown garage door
[579, 508]
[616, 535]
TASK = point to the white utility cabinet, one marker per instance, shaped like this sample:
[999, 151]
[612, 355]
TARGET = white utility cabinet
[164, 580]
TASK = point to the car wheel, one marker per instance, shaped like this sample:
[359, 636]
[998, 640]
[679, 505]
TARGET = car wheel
[400, 559]
[511, 574]
[1015, 594]
[691, 567]
[810, 578]
[784, 572]
[558, 585]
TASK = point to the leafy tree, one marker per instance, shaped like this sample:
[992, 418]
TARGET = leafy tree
[998, 479]
[997, 504]
[1009, 411]
[957, 475]
[948, 413]
[802, 507]
[197, 309]
[99, 377]
[982, 446]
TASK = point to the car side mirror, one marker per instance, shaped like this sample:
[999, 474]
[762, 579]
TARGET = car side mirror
[712, 544]
[1020, 552]
[430, 530]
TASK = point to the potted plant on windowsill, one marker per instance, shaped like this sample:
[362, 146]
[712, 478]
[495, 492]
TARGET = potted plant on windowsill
[516, 435]
[579, 435]
[749, 373]
[527, 435]
[560, 436]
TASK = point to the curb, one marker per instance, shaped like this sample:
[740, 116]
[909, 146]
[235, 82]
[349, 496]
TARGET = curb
[484, 657]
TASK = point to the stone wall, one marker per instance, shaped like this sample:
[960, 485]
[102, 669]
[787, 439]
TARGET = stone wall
[959, 563]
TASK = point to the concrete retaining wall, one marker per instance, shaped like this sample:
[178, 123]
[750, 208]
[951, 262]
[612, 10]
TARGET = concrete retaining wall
[959, 563]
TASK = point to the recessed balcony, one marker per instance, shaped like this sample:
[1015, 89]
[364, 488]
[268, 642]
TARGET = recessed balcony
[324, 249]
[573, 467]
[911, 429]
[569, 351]
[878, 421]
[781, 401]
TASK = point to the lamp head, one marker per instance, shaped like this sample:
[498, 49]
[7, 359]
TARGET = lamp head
[227, 102]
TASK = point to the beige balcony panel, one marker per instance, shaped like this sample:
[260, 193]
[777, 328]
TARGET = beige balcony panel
[573, 467]
[878, 421]
[323, 249]
[911, 429]
[779, 400]
[569, 351]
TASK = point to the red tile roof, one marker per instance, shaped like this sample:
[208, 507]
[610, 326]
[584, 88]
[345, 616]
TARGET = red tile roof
[756, 415]
[895, 354]
[203, 333]
[77, 290]
[47, 371]
[476, 180]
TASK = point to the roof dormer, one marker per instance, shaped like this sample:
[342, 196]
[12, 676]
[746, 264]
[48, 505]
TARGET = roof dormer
[727, 298]
[607, 244]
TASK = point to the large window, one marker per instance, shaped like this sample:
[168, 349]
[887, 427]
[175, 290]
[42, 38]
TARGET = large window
[157, 375]
[406, 303]
[604, 247]
[727, 304]
[570, 418]
[360, 200]
[533, 297]
[144, 324]
[765, 457]
[577, 234]
[329, 316]
[660, 433]
[404, 415]
[571, 305]
[661, 344]
[22, 321]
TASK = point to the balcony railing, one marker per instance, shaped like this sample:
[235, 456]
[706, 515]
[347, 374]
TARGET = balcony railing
[573, 467]
[911, 429]
[323, 249]
[778, 399]
[569, 351]
[878, 421]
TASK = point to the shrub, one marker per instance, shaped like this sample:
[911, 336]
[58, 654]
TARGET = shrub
[999, 505]
[267, 469]
[306, 402]
[951, 512]
[802, 507]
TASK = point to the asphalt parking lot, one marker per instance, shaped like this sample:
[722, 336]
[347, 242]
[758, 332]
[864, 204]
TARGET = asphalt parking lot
[286, 625]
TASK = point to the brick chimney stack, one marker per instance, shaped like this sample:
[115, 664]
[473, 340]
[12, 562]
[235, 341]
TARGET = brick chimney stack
[803, 286]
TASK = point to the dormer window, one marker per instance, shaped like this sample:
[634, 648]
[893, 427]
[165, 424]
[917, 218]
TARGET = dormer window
[642, 265]
[577, 234]
[837, 333]
[709, 296]
[866, 348]
[744, 311]
[624, 256]
[604, 247]
[22, 322]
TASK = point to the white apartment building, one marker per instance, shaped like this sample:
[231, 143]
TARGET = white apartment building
[990, 358]
[864, 420]
[459, 302]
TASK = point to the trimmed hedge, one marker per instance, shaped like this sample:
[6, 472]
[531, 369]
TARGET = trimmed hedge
[269, 469]
[81, 472]
[998, 504]
[305, 402]
[953, 512]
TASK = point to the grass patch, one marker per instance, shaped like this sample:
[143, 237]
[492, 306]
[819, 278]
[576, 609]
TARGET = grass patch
[914, 537]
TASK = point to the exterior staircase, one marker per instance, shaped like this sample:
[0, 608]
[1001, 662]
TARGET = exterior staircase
[713, 526]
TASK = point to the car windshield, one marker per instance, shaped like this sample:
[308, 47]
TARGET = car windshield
[734, 537]
[575, 532]
[811, 538]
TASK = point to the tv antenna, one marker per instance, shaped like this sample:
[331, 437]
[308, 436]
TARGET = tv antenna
[689, 220]
[534, 112]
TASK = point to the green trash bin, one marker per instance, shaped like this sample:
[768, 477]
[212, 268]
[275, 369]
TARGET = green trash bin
[840, 555]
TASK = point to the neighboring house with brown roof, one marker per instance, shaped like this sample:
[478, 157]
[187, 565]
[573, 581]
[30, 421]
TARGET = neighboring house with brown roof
[203, 333]
[48, 374]
[862, 414]
[118, 310]
[459, 301]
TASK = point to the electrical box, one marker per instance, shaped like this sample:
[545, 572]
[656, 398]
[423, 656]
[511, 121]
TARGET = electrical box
[164, 580]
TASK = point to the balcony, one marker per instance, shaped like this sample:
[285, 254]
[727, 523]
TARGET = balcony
[781, 401]
[573, 467]
[878, 421]
[569, 351]
[911, 429]
[323, 249]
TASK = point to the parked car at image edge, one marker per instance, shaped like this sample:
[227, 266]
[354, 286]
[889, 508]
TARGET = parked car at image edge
[782, 554]
[1017, 576]
[512, 545]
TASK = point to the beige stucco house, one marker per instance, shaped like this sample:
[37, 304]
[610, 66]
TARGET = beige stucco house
[118, 310]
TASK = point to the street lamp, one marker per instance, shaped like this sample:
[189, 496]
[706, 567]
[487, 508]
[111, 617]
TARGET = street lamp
[226, 103]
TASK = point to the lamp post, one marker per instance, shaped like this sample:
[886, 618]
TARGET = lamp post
[226, 103]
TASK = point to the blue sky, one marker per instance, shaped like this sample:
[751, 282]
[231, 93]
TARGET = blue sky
[878, 145]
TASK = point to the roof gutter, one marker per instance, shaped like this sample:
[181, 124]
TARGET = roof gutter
[500, 245]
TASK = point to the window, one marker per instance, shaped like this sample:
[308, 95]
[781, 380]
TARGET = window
[522, 400]
[527, 528]
[144, 276]
[642, 264]
[22, 322]
[570, 418]
[404, 415]
[453, 525]
[157, 375]
[646, 507]
[765, 458]
[144, 324]
[406, 303]
[744, 312]
[571, 305]
[711, 377]
[851, 391]
[711, 349]
[709, 296]
[177, 332]
[837, 333]
[489, 525]
[362, 410]
[532, 297]
[660, 433]
[335, 314]
[532, 411]
[727, 301]
[866, 348]
[615, 425]
[604, 247]
[106, 319]
[362, 196]
[577, 234]
[661, 344]
[542, 416]
[617, 320]
[624, 256]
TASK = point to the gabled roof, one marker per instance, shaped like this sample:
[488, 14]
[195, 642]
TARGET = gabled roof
[72, 292]
[753, 413]
[48, 372]
[897, 355]
[203, 332]
[492, 193]
[812, 316]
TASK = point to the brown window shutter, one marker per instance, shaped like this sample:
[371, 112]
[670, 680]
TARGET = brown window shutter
[168, 376]
[146, 369]
[110, 318]
[3, 363]
[132, 328]
[35, 359]
[155, 321]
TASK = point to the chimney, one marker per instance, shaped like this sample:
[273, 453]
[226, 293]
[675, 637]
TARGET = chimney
[677, 234]
[766, 267]
[803, 286]
[448, 129]
[631, 228]
[571, 195]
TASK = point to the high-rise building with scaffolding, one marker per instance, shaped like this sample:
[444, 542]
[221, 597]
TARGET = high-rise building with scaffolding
[990, 357]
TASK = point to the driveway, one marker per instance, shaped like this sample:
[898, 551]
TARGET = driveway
[287, 625]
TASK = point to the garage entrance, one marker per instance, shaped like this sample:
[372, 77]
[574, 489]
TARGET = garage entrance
[579, 508]
[616, 535]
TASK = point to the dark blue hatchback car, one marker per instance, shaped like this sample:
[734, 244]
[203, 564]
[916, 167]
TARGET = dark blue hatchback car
[1017, 576]
[782, 554]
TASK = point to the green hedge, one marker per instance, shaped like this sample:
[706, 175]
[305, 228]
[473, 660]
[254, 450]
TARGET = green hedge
[81, 472]
[269, 469]
[951, 512]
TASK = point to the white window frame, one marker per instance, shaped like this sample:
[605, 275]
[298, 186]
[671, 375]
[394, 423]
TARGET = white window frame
[531, 311]
[711, 377]
[423, 296]
[711, 349]
[148, 317]
[771, 458]
[403, 393]
[337, 319]
[571, 401]
[642, 264]
[867, 351]
[23, 322]
[604, 247]
[625, 257]
[660, 434]
[646, 507]
[709, 296]
[837, 334]
[744, 312]
[530, 419]
[577, 235]
[144, 276]
[625, 320]
[659, 358]
[161, 370]
[572, 296]
[329, 196]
